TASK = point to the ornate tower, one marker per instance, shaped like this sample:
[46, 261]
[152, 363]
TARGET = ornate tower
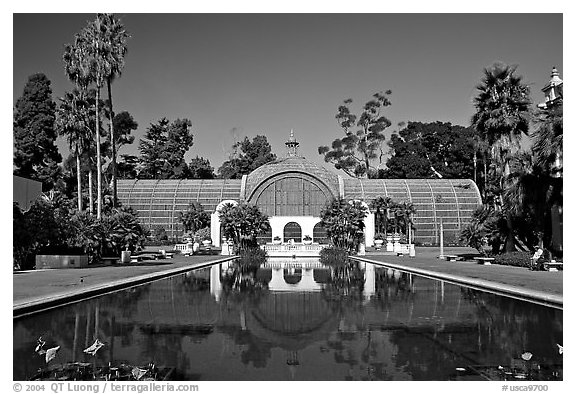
[553, 91]
[292, 145]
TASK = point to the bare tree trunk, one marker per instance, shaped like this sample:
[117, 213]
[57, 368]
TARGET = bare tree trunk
[79, 180]
[98, 160]
[475, 163]
[90, 193]
[485, 177]
[113, 145]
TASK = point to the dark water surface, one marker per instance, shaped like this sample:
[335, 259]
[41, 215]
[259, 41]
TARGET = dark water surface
[302, 321]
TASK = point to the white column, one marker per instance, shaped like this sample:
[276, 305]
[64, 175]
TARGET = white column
[215, 228]
[277, 281]
[369, 229]
[441, 239]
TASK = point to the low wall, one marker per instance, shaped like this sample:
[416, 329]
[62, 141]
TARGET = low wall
[44, 261]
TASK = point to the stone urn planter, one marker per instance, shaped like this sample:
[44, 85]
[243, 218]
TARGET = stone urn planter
[206, 242]
[378, 243]
[307, 240]
[389, 244]
[125, 256]
[396, 247]
[276, 241]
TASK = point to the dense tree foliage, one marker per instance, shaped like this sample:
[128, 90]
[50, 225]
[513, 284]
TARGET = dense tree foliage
[200, 168]
[35, 152]
[127, 167]
[163, 148]
[243, 223]
[124, 125]
[52, 226]
[431, 150]
[344, 223]
[246, 157]
[360, 152]
[194, 218]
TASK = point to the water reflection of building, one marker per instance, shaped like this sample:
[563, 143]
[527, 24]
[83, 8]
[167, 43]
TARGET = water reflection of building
[207, 330]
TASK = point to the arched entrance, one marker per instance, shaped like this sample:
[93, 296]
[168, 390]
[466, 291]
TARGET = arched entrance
[292, 230]
[215, 225]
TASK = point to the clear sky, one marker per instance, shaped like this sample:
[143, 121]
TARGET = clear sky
[269, 73]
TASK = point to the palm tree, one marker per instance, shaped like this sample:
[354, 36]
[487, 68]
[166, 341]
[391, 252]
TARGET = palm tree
[76, 67]
[548, 139]
[408, 212]
[502, 116]
[114, 37]
[72, 121]
[97, 49]
[381, 206]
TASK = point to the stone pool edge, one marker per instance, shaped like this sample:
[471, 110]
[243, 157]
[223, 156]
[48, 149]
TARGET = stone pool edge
[36, 304]
[479, 284]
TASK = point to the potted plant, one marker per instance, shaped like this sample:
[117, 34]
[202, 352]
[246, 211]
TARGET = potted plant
[378, 240]
[276, 240]
[307, 240]
[204, 235]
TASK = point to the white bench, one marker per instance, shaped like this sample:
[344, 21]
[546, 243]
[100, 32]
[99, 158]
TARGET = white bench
[484, 260]
[556, 266]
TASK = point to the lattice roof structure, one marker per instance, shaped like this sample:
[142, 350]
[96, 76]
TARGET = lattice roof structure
[294, 187]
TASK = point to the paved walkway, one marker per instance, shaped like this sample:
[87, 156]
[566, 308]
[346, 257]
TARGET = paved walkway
[426, 258]
[30, 286]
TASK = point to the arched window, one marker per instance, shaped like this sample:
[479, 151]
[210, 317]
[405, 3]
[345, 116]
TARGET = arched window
[265, 237]
[319, 234]
[292, 230]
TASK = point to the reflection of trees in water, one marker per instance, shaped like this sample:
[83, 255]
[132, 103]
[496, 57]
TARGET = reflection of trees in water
[490, 331]
[345, 286]
[243, 289]
[254, 351]
[241, 284]
[514, 327]
[195, 281]
[74, 328]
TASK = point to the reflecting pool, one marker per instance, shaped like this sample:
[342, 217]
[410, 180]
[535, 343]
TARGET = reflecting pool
[300, 320]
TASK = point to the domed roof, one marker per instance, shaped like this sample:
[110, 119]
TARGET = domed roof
[295, 164]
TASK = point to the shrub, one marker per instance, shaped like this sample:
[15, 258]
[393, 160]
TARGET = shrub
[516, 259]
[194, 218]
[243, 223]
[344, 223]
[203, 234]
[334, 256]
[160, 234]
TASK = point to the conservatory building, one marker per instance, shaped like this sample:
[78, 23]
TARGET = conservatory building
[292, 191]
